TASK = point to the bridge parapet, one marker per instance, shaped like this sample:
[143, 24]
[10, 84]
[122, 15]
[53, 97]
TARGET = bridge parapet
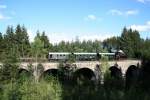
[87, 64]
[46, 65]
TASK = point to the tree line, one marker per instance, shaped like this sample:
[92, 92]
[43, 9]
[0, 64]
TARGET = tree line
[130, 42]
[16, 40]
[14, 85]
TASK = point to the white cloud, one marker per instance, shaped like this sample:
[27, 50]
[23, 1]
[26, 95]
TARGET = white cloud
[123, 13]
[58, 37]
[131, 12]
[91, 17]
[93, 37]
[2, 17]
[55, 37]
[142, 28]
[115, 12]
[31, 35]
[143, 1]
[3, 6]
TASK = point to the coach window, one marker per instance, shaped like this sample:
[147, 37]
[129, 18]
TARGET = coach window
[50, 56]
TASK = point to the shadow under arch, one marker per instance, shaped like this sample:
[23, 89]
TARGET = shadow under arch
[53, 72]
[24, 74]
[85, 74]
[49, 73]
[131, 75]
[115, 72]
[113, 79]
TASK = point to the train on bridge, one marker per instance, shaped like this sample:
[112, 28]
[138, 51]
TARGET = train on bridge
[78, 56]
[52, 56]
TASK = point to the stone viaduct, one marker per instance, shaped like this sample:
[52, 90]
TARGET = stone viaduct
[90, 65]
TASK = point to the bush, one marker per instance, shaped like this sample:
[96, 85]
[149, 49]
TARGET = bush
[32, 91]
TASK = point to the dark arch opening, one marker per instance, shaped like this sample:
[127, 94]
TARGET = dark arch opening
[132, 74]
[22, 71]
[114, 79]
[131, 70]
[24, 74]
[115, 72]
[48, 74]
[84, 74]
[51, 72]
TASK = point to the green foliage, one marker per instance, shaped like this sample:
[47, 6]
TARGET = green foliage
[24, 75]
[78, 46]
[91, 92]
[46, 44]
[112, 43]
[130, 42]
[11, 92]
[1, 46]
[37, 47]
[111, 83]
[18, 40]
[104, 64]
[15, 44]
[21, 36]
[145, 49]
[8, 73]
[136, 94]
[29, 90]
[40, 68]
[9, 67]
[65, 71]
[72, 58]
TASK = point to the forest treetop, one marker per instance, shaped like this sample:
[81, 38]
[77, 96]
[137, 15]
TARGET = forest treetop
[16, 40]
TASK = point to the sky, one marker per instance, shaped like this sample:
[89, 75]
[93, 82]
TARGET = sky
[69, 19]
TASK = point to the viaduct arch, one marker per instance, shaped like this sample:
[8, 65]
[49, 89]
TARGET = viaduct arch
[89, 66]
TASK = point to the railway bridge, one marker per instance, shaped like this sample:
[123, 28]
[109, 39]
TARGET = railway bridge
[83, 66]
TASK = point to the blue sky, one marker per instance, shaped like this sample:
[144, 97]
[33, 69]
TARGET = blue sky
[67, 19]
